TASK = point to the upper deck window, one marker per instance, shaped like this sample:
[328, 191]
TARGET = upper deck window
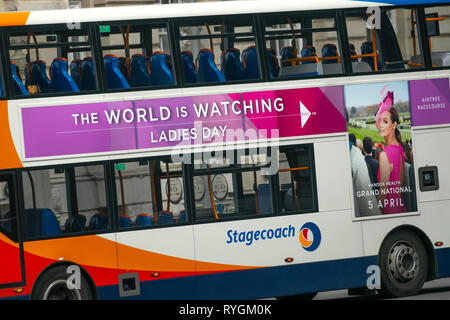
[51, 60]
[218, 50]
[393, 43]
[438, 29]
[137, 56]
[302, 45]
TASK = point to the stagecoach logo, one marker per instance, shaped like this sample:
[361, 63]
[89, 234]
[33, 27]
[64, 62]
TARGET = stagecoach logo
[310, 236]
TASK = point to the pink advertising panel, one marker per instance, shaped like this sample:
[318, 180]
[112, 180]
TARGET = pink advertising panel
[170, 122]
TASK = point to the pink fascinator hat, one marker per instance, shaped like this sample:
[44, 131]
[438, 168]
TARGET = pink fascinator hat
[385, 105]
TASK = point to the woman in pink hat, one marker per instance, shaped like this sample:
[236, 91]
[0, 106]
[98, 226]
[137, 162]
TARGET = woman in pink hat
[392, 159]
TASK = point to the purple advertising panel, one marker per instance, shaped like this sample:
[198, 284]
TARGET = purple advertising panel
[170, 122]
[381, 155]
[430, 102]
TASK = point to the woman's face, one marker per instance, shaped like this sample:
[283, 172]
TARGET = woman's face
[386, 127]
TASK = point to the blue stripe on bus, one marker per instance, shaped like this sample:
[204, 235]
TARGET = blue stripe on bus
[265, 282]
[443, 262]
[257, 283]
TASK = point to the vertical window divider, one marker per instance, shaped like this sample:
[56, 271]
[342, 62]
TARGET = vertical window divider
[341, 29]
[97, 53]
[173, 33]
[111, 195]
[6, 64]
[187, 173]
[259, 30]
[423, 37]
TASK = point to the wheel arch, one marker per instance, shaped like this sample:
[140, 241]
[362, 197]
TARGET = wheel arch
[85, 274]
[431, 253]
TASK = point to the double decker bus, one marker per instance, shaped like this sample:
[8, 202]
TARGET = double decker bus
[224, 150]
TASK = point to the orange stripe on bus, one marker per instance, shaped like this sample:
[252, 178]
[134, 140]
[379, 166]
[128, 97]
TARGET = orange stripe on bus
[85, 250]
[13, 18]
[96, 251]
[10, 158]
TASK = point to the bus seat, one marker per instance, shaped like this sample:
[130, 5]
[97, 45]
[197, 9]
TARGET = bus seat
[99, 221]
[352, 50]
[61, 81]
[441, 58]
[75, 71]
[190, 73]
[361, 66]
[233, 68]
[274, 66]
[143, 219]
[88, 81]
[165, 217]
[76, 223]
[41, 222]
[308, 51]
[366, 48]
[286, 54]
[329, 50]
[7, 222]
[39, 77]
[139, 76]
[124, 221]
[250, 62]
[18, 85]
[123, 68]
[114, 77]
[207, 69]
[302, 70]
[438, 58]
[264, 198]
[182, 216]
[160, 71]
[332, 68]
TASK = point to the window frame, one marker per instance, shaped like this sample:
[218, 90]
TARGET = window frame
[9, 32]
[200, 20]
[140, 23]
[317, 14]
[70, 197]
[423, 26]
[174, 38]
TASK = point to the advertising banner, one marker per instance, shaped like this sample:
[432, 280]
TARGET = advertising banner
[170, 122]
[430, 102]
[382, 162]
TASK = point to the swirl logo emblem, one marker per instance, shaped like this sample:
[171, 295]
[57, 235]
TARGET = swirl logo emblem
[310, 236]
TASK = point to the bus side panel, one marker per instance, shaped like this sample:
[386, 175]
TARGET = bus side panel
[262, 248]
[96, 254]
[430, 149]
[10, 158]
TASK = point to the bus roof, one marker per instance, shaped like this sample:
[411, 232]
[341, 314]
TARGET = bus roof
[183, 10]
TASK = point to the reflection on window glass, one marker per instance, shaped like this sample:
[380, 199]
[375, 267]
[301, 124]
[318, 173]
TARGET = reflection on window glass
[301, 45]
[170, 192]
[63, 63]
[8, 213]
[438, 27]
[149, 192]
[394, 46]
[296, 179]
[64, 200]
[219, 51]
[136, 56]
[233, 190]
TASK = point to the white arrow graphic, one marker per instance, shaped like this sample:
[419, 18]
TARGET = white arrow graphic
[304, 114]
